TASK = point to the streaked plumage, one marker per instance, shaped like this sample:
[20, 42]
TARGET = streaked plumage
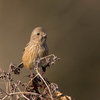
[36, 48]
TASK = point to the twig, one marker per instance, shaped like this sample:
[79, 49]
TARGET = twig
[30, 81]
[8, 79]
[13, 88]
[45, 83]
[21, 92]
[5, 97]
[24, 93]
[47, 56]
[4, 79]
[36, 69]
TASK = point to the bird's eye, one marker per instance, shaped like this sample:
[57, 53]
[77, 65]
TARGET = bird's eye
[38, 33]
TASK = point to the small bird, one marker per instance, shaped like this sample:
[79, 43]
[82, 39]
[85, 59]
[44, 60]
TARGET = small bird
[35, 49]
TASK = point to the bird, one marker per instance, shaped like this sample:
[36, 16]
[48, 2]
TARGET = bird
[35, 49]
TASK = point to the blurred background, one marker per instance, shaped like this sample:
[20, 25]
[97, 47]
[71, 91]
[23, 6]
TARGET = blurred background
[73, 29]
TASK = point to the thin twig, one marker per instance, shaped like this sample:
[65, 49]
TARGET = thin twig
[8, 79]
[24, 93]
[36, 69]
[45, 83]
[30, 81]
[21, 92]
[4, 79]
[5, 97]
[47, 56]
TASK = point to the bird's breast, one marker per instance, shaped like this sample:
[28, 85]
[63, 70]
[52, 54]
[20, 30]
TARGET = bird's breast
[31, 54]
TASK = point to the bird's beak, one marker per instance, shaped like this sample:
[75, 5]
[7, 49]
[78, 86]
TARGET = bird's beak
[44, 35]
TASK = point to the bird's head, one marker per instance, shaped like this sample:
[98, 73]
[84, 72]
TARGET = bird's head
[38, 35]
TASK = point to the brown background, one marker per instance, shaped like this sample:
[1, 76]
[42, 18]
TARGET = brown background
[73, 28]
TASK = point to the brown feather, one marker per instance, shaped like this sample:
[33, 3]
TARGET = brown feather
[36, 48]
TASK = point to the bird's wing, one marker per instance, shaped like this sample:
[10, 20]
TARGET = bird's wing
[21, 65]
[46, 50]
[25, 46]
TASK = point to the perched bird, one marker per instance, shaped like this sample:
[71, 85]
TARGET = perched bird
[36, 48]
